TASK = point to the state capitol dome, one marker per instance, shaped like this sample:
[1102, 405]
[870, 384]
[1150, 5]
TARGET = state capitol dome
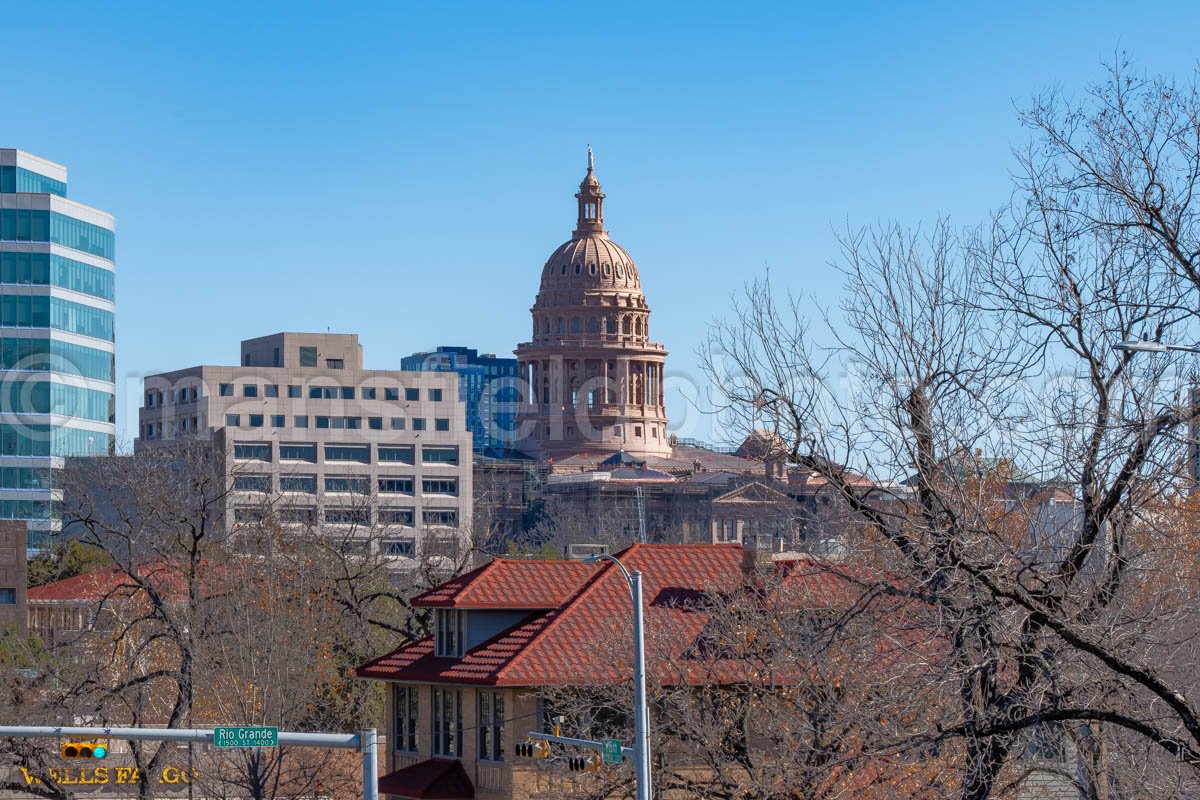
[595, 380]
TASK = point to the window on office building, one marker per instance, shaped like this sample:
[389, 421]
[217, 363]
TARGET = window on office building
[391, 394]
[233, 420]
[308, 356]
[435, 395]
[250, 390]
[418, 423]
[226, 390]
[397, 423]
[278, 421]
[412, 394]
[441, 424]
[396, 454]
[270, 390]
[375, 423]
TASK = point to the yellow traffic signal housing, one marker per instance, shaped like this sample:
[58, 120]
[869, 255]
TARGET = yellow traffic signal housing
[584, 763]
[533, 749]
[83, 750]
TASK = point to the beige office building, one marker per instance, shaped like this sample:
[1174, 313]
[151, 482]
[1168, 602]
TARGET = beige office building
[317, 440]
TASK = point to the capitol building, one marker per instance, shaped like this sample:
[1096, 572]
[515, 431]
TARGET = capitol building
[593, 376]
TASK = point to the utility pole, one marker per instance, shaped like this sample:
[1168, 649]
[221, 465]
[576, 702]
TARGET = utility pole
[640, 709]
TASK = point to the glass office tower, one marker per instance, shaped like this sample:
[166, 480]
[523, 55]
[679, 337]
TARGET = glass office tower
[57, 381]
[487, 384]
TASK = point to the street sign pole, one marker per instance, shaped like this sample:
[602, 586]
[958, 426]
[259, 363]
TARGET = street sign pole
[365, 741]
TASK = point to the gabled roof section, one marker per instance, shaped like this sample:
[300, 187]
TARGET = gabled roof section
[511, 584]
[756, 492]
[583, 639]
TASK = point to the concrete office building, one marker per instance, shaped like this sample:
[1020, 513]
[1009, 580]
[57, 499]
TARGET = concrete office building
[488, 386]
[57, 389]
[317, 440]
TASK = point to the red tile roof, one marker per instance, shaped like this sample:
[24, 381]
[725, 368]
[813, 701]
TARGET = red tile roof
[583, 639]
[104, 583]
[432, 779]
[511, 584]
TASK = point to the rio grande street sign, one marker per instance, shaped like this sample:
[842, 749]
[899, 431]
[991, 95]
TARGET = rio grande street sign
[245, 737]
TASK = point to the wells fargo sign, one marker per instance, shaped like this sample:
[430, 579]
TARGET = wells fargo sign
[105, 776]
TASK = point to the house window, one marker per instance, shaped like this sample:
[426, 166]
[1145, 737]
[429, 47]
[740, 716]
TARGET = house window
[449, 625]
[435, 395]
[491, 726]
[308, 356]
[441, 424]
[405, 704]
[8, 597]
[447, 722]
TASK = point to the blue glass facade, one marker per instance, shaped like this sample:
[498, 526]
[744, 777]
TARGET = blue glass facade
[486, 384]
[46, 299]
[19, 179]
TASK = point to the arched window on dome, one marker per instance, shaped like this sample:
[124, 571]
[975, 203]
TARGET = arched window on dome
[610, 325]
[593, 325]
[546, 325]
[578, 268]
[574, 324]
[563, 271]
[559, 326]
[592, 268]
[625, 325]
[637, 327]
[607, 270]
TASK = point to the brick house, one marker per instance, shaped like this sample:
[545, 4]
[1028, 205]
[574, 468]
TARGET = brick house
[510, 631]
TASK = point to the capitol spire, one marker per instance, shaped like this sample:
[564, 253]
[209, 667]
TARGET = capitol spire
[591, 203]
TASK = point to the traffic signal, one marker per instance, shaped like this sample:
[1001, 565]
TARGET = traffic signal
[83, 750]
[584, 763]
[533, 749]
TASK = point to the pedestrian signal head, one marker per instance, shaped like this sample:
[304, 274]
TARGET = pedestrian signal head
[83, 750]
[584, 763]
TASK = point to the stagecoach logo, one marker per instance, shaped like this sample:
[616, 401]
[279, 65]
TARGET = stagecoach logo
[102, 776]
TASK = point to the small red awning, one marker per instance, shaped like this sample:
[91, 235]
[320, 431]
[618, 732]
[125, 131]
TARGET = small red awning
[431, 779]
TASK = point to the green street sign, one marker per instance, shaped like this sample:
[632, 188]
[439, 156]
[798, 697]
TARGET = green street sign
[612, 751]
[246, 737]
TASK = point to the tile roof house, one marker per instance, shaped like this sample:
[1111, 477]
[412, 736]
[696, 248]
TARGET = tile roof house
[505, 630]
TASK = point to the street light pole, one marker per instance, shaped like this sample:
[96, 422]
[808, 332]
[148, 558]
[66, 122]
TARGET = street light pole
[640, 710]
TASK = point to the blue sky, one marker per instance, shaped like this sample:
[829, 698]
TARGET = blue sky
[403, 170]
